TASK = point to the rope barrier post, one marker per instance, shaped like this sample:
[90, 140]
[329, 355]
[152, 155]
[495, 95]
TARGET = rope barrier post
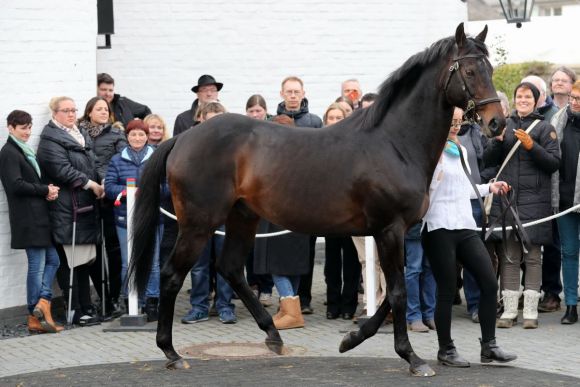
[370, 276]
[133, 318]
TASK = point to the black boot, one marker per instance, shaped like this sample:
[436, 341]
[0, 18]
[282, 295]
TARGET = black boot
[490, 351]
[151, 309]
[448, 356]
[571, 315]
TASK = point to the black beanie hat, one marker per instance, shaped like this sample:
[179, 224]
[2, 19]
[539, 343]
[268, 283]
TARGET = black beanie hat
[532, 87]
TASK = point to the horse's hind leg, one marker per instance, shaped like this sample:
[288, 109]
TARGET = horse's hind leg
[366, 330]
[184, 255]
[391, 254]
[240, 233]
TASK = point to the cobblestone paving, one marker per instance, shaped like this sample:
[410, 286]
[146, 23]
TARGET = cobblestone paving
[550, 348]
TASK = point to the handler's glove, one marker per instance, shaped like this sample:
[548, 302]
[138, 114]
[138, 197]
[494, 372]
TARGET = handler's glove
[525, 138]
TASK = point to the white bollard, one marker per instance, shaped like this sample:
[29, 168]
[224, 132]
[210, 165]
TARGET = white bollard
[370, 276]
[133, 297]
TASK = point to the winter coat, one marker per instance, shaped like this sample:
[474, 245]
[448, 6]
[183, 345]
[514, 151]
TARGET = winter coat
[282, 255]
[549, 109]
[120, 169]
[107, 144]
[302, 117]
[126, 110]
[65, 163]
[560, 121]
[26, 195]
[185, 120]
[528, 172]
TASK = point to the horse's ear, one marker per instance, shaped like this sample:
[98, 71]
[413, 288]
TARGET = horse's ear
[460, 38]
[482, 34]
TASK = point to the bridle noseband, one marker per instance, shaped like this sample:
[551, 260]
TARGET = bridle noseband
[472, 103]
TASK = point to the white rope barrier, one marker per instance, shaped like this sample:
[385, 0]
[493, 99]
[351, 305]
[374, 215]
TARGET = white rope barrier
[271, 234]
[535, 222]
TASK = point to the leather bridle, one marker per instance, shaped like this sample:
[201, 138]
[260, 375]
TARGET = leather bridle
[472, 103]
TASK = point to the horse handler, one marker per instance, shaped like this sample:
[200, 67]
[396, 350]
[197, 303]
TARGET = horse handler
[449, 235]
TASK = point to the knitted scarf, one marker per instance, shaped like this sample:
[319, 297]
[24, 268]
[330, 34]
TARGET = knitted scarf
[94, 130]
[28, 152]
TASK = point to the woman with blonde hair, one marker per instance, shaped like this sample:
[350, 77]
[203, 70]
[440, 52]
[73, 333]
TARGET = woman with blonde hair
[157, 129]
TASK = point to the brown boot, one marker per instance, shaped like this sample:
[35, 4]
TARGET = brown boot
[34, 325]
[43, 314]
[291, 314]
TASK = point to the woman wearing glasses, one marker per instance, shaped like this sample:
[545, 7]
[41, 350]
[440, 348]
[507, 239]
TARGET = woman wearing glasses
[566, 189]
[449, 236]
[66, 160]
[529, 172]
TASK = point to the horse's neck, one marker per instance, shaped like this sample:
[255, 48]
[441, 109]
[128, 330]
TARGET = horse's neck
[429, 121]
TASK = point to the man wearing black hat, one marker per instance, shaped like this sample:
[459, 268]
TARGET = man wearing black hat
[207, 90]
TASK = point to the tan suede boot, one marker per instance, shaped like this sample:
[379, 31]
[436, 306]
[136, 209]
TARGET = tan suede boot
[34, 325]
[43, 314]
[291, 314]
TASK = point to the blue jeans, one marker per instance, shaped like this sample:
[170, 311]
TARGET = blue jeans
[287, 285]
[421, 287]
[569, 226]
[199, 297]
[42, 266]
[470, 288]
[152, 289]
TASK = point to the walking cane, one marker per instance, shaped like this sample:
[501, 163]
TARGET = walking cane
[104, 268]
[76, 211]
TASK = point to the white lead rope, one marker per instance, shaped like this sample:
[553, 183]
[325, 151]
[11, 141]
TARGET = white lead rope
[272, 234]
[533, 223]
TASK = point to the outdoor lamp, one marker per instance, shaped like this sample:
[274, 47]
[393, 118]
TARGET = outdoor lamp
[517, 11]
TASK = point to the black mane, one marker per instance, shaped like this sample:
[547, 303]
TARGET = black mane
[390, 88]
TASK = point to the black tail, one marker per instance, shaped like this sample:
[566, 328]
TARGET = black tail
[146, 215]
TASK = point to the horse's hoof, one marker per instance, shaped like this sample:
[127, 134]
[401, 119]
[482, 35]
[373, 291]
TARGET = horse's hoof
[422, 370]
[350, 340]
[275, 346]
[179, 364]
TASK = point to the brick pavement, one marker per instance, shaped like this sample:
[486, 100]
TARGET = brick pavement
[551, 348]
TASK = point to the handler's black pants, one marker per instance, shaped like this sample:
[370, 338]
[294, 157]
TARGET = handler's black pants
[445, 247]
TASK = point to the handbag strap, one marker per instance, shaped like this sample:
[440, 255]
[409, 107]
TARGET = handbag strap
[513, 150]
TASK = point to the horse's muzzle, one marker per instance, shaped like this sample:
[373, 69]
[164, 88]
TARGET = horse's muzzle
[496, 125]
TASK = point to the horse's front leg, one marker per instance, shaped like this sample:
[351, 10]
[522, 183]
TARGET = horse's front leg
[390, 245]
[240, 234]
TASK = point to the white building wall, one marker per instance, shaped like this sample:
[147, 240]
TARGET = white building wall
[47, 48]
[544, 38]
[161, 48]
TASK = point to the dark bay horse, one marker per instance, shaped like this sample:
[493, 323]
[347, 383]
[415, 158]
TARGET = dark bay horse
[366, 175]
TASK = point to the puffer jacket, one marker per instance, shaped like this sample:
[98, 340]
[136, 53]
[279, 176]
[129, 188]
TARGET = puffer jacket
[67, 164]
[528, 172]
[120, 169]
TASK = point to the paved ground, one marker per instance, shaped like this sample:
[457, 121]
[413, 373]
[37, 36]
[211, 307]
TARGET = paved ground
[553, 348]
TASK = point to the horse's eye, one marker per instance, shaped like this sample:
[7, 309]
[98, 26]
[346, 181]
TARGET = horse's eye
[469, 73]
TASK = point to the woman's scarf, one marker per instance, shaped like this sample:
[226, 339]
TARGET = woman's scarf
[137, 156]
[94, 130]
[451, 148]
[74, 132]
[28, 152]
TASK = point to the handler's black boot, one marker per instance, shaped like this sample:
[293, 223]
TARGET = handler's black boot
[490, 351]
[448, 356]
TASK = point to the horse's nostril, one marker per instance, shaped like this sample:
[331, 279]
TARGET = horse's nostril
[493, 126]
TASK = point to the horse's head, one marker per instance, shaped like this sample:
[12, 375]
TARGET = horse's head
[469, 82]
